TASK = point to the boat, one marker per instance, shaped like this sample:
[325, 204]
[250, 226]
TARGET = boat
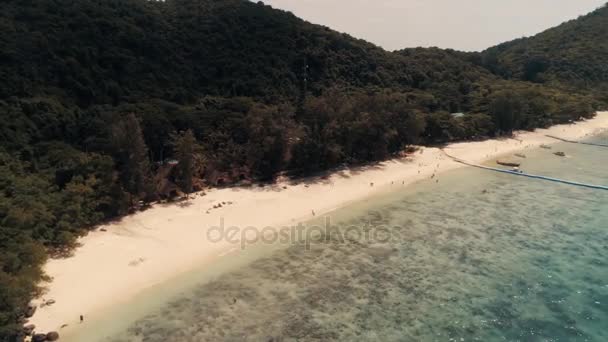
[560, 154]
[520, 155]
[507, 163]
[546, 147]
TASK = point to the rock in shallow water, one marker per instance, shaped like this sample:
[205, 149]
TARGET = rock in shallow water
[52, 336]
[39, 338]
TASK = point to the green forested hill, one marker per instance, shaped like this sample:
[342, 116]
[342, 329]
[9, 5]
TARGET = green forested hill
[116, 50]
[574, 54]
[95, 95]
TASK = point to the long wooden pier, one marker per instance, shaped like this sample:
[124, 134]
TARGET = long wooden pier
[523, 174]
[576, 142]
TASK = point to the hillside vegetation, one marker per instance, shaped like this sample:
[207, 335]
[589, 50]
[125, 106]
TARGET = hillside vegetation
[97, 95]
[574, 54]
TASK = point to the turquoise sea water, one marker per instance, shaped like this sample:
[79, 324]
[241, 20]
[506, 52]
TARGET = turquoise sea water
[479, 256]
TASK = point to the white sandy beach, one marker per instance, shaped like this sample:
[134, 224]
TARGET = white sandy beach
[116, 263]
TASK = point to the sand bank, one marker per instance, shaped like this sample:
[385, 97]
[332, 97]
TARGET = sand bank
[119, 260]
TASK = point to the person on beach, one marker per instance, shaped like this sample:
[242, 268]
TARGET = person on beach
[81, 318]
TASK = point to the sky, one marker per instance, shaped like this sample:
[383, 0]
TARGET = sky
[469, 25]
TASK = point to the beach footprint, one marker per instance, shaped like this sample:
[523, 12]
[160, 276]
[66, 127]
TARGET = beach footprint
[136, 262]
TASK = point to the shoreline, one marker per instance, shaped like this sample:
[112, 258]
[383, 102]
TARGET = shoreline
[118, 261]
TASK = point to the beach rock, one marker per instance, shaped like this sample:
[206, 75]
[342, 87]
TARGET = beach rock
[103, 230]
[29, 329]
[31, 310]
[39, 338]
[560, 154]
[52, 336]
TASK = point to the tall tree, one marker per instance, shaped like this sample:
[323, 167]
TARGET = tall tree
[131, 154]
[506, 109]
[186, 150]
